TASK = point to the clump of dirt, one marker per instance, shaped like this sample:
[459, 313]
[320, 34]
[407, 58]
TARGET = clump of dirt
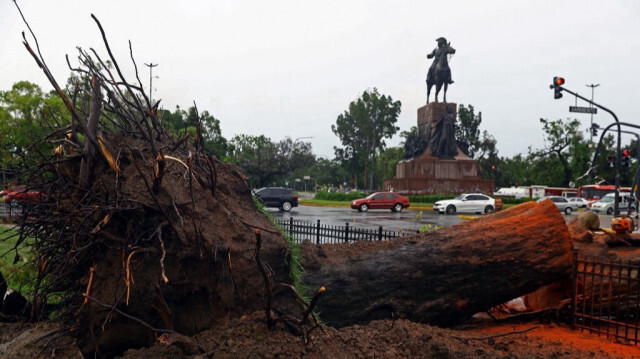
[247, 337]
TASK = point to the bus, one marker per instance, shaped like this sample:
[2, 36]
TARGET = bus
[560, 191]
[594, 192]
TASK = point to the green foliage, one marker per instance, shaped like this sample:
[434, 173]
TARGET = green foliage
[512, 200]
[180, 122]
[26, 115]
[565, 152]
[429, 228]
[339, 196]
[468, 129]
[386, 165]
[328, 173]
[362, 130]
[16, 267]
[269, 163]
[294, 257]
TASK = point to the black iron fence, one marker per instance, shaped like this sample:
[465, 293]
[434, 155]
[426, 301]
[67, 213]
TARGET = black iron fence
[606, 298]
[10, 210]
[323, 233]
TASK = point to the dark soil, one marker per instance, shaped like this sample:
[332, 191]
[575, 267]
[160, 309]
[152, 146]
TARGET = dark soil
[248, 337]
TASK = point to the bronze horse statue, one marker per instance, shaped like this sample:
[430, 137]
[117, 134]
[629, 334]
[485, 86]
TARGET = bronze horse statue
[439, 72]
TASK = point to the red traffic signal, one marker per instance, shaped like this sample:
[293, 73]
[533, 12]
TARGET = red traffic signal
[557, 90]
[626, 159]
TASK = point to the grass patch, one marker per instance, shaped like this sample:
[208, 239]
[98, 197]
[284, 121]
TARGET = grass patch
[295, 253]
[17, 267]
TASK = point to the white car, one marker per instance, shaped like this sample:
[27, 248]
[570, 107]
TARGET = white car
[466, 203]
[579, 202]
[607, 203]
[562, 203]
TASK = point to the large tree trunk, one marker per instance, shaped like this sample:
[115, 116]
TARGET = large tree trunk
[446, 276]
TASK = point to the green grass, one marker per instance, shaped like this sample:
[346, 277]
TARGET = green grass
[17, 269]
[295, 254]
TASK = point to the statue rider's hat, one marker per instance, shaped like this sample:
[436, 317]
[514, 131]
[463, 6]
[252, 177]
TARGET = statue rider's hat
[441, 39]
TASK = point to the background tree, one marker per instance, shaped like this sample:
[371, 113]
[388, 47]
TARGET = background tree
[514, 170]
[487, 155]
[386, 165]
[259, 158]
[329, 173]
[362, 129]
[268, 163]
[27, 114]
[180, 122]
[468, 129]
[565, 152]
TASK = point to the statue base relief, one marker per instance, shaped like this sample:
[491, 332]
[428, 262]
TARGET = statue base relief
[429, 174]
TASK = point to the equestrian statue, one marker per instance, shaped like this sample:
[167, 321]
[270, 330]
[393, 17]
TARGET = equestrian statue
[439, 72]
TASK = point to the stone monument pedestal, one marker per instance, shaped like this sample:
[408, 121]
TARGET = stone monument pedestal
[428, 174]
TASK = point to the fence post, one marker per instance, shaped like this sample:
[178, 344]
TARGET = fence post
[318, 233]
[379, 233]
[291, 226]
[574, 289]
[346, 232]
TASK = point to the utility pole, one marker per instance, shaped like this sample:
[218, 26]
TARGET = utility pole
[591, 125]
[151, 66]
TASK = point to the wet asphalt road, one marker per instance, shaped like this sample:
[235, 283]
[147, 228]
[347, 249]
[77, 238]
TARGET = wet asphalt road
[408, 219]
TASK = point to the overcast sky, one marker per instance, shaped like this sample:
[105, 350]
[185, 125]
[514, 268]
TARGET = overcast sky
[289, 68]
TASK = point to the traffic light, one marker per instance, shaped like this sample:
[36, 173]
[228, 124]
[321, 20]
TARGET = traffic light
[626, 159]
[557, 82]
[612, 161]
[594, 129]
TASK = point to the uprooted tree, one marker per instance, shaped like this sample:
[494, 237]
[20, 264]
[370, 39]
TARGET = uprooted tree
[140, 233]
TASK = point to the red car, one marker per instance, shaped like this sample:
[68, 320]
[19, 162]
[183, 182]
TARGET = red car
[381, 200]
[12, 190]
[24, 196]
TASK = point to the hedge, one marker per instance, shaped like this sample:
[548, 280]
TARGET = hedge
[339, 196]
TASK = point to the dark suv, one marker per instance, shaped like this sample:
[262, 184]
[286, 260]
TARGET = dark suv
[280, 197]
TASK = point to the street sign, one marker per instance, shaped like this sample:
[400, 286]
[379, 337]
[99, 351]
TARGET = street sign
[306, 178]
[583, 109]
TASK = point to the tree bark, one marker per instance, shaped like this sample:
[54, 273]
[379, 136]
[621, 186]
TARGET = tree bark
[442, 277]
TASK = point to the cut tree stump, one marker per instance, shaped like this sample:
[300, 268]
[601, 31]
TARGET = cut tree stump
[442, 277]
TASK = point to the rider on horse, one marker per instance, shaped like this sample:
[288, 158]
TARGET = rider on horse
[439, 72]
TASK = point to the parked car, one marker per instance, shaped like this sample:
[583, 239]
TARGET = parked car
[381, 200]
[562, 203]
[12, 190]
[607, 202]
[24, 196]
[579, 202]
[466, 203]
[278, 197]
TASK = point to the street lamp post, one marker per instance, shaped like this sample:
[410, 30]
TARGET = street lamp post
[151, 66]
[591, 125]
